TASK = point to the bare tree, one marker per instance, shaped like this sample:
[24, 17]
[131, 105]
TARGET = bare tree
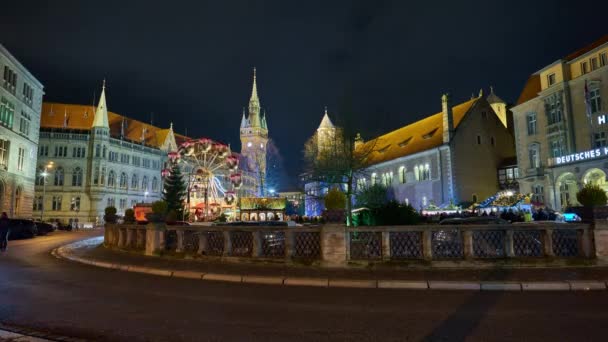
[338, 157]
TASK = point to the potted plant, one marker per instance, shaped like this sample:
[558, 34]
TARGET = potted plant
[593, 198]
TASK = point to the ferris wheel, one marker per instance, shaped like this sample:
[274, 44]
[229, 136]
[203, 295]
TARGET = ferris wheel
[206, 163]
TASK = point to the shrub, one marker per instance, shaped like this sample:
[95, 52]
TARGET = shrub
[335, 200]
[591, 195]
[129, 216]
[110, 215]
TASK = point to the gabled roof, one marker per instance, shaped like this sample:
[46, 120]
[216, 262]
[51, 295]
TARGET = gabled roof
[80, 117]
[416, 137]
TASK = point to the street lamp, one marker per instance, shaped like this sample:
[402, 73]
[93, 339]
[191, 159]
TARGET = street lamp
[44, 174]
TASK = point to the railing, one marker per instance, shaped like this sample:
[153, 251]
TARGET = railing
[336, 245]
[444, 242]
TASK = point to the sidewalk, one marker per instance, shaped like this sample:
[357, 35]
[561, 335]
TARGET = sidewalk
[567, 278]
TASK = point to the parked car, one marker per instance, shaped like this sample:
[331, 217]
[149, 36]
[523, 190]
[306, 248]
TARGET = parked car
[474, 220]
[22, 229]
[44, 228]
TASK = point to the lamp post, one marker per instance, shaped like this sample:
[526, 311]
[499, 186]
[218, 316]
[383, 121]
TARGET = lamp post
[44, 174]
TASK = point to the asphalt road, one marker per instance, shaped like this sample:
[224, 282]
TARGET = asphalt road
[41, 292]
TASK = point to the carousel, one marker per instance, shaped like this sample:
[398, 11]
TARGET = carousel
[211, 175]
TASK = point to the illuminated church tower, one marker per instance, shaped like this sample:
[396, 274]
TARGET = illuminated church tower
[254, 136]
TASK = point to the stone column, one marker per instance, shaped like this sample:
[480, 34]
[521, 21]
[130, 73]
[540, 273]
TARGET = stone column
[290, 243]
[509, 251]
[386, 245]
[333, 245]
[202, 243]
[548, 242]
[256, 244]
[427, 244]
[467, 244]
[180, 240]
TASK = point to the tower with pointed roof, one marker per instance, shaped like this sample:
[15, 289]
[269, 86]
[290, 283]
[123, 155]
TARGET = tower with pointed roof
[254, 136]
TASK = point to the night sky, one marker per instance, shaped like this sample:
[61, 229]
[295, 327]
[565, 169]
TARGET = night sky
[388, 62]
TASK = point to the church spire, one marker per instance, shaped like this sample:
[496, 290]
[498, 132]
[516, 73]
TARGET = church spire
[254, 104]
[101, 114]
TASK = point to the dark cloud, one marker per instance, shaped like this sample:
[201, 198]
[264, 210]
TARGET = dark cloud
[381, 63]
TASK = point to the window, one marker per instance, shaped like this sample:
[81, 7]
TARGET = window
[155, 184]
[123, 180]
[24, 123]
[584, 67]
[77, 177]
[553, 108]
[38, 203]
[43, 151]
[594, 63]
[144, 183]
[7, 112]
[596, 102]
[4, 150]
[478, 139]
[551, 79]
[538, 194]
[402, 175]
[603, 59]
[56, 203]
[111, 179]
[59, 177]
[20, 159]
[374, 178]
[10, 79]
[600, 139]
[533, 155]
[28, 94]
[557, 149]
[531, 123]
[134, 182]
[75, 204]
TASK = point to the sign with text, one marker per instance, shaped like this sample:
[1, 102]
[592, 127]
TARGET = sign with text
[580, 156]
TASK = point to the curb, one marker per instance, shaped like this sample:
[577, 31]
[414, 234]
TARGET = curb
[579, 285]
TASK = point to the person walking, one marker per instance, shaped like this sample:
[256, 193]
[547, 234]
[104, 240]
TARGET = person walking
[4, 231]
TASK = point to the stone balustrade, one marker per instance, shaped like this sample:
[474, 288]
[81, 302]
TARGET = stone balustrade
[336, 245]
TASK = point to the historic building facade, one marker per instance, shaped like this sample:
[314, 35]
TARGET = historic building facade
[560, 125]
[453, 155]
[89, 159]
[20, 104]
[254, 140]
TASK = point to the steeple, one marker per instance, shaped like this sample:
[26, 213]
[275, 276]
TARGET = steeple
[101, 114]
[326, 122]
[254, 104]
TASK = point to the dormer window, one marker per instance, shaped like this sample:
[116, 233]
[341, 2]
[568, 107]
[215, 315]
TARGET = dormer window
[405, 142]
[429, 134]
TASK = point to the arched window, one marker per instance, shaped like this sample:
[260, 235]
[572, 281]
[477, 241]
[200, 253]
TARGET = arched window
[59, 177]
[155, 184]
[134, 182]
[374, 178]
[123, 180]
[402, 177]
[77, 177]
[111, 179]
[39, 176]
[144, 183]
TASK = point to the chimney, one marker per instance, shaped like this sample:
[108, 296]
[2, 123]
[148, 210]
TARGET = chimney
[448, 118]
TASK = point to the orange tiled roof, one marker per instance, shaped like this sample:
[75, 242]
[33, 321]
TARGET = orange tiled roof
[413, 138]
[80, 117]
[531, 89]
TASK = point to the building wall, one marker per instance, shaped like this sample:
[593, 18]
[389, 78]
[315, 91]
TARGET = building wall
[16, 179]
[475, 164]
[94, 197]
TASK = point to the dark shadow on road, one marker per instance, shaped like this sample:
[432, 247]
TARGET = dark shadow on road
[463, 321]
